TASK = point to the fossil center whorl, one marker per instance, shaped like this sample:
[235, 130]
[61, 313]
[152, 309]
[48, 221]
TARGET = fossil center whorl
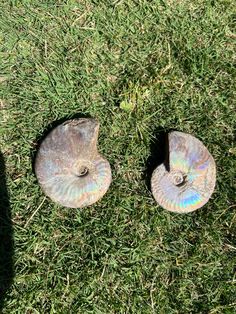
[82, 171]
[69, 167]
[83, 168]
[177, 178]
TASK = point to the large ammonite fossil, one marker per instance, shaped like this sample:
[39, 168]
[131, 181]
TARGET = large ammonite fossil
[186, 179]
[68, 166]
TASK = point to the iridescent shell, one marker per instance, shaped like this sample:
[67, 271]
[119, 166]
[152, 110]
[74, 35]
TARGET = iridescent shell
[186, 180]
[68, 166]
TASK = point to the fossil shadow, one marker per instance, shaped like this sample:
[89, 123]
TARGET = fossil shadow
[48, 129]
[159, 153]
[6, 236]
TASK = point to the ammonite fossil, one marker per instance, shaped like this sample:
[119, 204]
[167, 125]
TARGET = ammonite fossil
[68, 166]
[185, 181]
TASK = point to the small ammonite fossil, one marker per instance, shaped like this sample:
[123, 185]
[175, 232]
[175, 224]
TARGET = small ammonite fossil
[68, 166]
[186, 179]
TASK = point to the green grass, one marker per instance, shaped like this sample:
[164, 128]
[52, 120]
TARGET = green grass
[141, 68]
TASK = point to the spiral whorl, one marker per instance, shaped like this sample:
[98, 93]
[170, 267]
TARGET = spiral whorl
[68, 166]
[188, 180]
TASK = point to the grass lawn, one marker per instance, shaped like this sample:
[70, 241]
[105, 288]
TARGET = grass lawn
[142, 68]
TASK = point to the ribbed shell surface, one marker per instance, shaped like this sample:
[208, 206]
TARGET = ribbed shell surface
[190, 158]
[69, 148]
